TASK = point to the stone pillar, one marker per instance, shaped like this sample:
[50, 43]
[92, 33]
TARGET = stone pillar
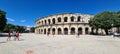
[76, 30]
[62, 30]
[35, 31]
[56, 31]
[51, 21]
[69, 19]
[69, 30]
[51, 30]
[90, 29]
[83, 30]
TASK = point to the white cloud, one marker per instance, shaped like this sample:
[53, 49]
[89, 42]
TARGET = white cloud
[23, 21]
[10, 19]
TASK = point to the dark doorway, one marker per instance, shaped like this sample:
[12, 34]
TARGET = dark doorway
[80, 30]
[66, 31]
[59, 31]
[72, 31]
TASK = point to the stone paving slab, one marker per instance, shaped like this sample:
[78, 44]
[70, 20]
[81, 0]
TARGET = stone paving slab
[30, 43]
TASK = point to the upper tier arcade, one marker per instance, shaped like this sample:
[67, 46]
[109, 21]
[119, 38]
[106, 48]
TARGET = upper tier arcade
[64, 18]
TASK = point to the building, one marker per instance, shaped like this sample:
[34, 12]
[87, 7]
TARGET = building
[65, 24]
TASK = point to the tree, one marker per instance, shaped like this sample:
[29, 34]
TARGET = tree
[9, 27]
[117, 20]
[32, 29]
[3, 20]
[103, 20]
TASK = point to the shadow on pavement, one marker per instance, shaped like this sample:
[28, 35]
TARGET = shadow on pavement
[3, 35]
[2, 42]
[6, 35]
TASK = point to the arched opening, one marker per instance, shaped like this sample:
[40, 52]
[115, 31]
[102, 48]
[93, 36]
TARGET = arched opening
[53, 20]
[80, 30]
[65, 19]
[86, 31]
[45, 22]
[42, 22]
[53, 31]
[78, 19]
[72, 19]
[59, 31]
[59, 19]
[49, 30]
[72, 31]
[41, 31]
[92, 31]
[65, 31]
[44, 31]
[49, 21]
[39, 23]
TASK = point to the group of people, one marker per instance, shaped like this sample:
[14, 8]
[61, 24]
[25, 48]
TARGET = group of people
[15, 34]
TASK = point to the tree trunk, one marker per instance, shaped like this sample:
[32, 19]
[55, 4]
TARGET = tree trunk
[118, 29]
[106, 31]
[97, 31]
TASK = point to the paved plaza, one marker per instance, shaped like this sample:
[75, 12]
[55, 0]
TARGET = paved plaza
[31, 43]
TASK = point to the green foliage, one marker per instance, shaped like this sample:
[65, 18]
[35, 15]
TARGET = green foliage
[104, 20]
[117, 19]
[32, 29]
[3, 20]
[11, 27]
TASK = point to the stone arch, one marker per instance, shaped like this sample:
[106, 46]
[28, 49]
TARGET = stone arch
[42, 22]
[72, 31]
[72, 19]
[53, 20]
[53, 31]
[49, 21]
[79, 18]
[45, 22]
[41, 31]
[80, 30]
[59, 31]
[59, 19]
[49, 30]
[44, 31]
[66, 31]
[86, 30]
[92, 31]
[65, 19]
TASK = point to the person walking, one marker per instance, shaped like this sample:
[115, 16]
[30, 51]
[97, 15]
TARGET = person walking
[9, 36]
[17, 36]
[78, 35]
[47, 33]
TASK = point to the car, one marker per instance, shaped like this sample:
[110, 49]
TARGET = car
[115, 34]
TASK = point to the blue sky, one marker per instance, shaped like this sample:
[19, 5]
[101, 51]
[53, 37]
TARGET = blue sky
[25, 12]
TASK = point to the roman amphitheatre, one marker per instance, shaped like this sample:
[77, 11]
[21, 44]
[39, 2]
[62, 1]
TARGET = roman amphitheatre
[66, 24]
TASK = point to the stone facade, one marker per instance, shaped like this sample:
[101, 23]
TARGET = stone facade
[64, 24]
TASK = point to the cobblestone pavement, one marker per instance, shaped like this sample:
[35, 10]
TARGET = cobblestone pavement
[30, 43]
